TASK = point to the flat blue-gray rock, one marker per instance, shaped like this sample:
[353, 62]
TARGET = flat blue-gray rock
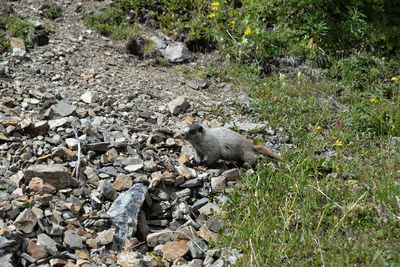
[124, 211]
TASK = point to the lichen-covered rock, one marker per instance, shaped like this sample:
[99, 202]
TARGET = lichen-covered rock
[125, 209]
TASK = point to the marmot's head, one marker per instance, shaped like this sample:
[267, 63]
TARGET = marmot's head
[193, 132]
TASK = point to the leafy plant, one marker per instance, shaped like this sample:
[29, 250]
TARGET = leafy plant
[15, 27]
[110, 22]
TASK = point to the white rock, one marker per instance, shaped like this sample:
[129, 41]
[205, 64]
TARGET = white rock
[90, 97]
[133, 168]
[178, 105]
[72, 143]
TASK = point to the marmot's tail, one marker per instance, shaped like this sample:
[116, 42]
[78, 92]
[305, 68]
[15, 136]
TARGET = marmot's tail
[267, 151]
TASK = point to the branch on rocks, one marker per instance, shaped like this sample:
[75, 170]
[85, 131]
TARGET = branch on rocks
[78, 161]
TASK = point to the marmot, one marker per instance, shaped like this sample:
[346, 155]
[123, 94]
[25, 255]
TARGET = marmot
[212, 144]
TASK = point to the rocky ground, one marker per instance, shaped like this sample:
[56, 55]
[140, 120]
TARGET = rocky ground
[92, 172]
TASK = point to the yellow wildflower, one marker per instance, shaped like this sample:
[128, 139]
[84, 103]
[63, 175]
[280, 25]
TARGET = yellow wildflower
[318, 128]
[395, 79]
[247, 31]
[212, 15]
[232, 22]
[373, 100]
[339, 143]
[215, 6]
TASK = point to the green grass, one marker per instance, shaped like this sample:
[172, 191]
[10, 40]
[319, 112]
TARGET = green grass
[51, 11]
[313, 210]
[110, 22]
[15, 27]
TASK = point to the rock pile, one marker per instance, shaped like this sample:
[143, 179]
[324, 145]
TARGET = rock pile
[131, 189]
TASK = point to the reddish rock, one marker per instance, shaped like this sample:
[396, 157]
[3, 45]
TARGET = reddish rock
[122, 182]
[36, 251]
[37, 185]
[175, 249]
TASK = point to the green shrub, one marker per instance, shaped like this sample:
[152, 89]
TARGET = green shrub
[111, 22]
[15, 27]
[256, 31]
[51, 11]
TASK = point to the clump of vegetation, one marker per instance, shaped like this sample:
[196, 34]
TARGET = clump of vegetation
[4, 44]
[51, 11]
[14, 26]
[255, 31]
[111, 22]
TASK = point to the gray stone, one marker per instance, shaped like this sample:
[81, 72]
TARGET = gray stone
[72, 143]
[6, 184]
[133, 168]
[28, 257]
[109, 170]
[209, 209]
[97, 121]
[106, 189]
[196, 263]
[98, 147]
[106, 237]
[182, 193]
[231, 175]
[192, 183]
[178, 105]
[246, 126]
[176, 52]
[26, 221]
[3, 66]
[4, 242]
[90, 97]
[197, 247]
[73, 240]
[199, 203]
[218, 263]
[48, 243]
[62, 108]
[158, 42]
[56, 175]
[18, 52]
[197, 84]
[3, 170]
[124, 211]
[226, 86]
[5, 260]
[54, 124]
[170, 142]
[230, 256]
[159, 194]
[218, 183]
[186, 172]
[181, 211]
[160, 238]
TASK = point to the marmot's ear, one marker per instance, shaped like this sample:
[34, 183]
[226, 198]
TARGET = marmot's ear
[200, 129]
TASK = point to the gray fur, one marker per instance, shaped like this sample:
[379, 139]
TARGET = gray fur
[212, 144]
